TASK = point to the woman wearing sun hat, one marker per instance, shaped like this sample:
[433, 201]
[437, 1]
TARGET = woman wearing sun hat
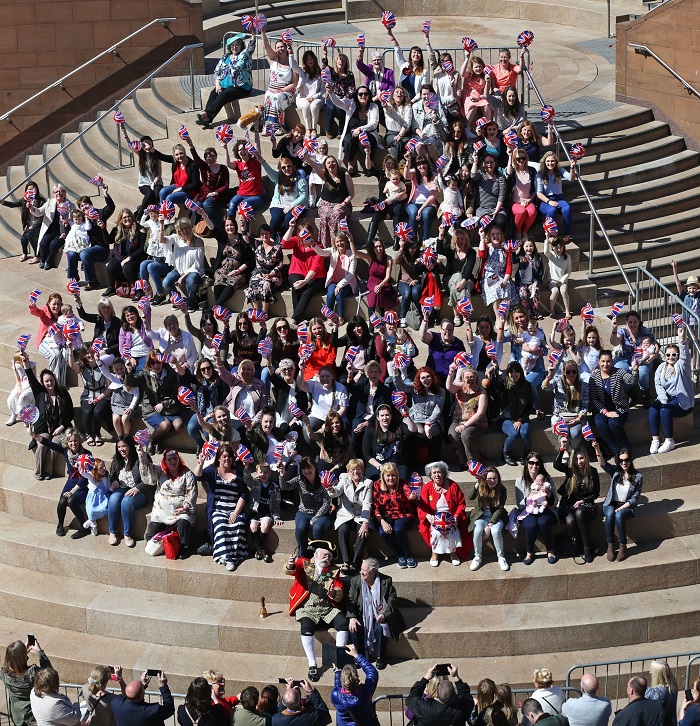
[233, 74]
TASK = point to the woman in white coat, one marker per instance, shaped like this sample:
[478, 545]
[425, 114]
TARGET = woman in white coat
[340, 278]
[55, 213]
[360, 130]
[354, 512]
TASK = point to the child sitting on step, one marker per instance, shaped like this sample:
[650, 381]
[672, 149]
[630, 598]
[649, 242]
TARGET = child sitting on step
[99, 488]
[264, 504]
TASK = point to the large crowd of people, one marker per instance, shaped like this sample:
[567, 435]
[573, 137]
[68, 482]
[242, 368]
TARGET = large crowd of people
[36, 698]
[339, 421]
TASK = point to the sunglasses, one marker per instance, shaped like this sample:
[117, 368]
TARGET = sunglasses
[571, 373]
[521, 158]
[363, 94]
[626, 460]
[282, 327]
[534, 462]
[206, 368]
[672, 355]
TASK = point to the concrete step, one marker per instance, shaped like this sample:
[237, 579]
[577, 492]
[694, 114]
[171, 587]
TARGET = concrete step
[182, 664]
[32, 545]
[623, 138]
[234, 626]
[623, 158]
[653, 251]
[617, 119]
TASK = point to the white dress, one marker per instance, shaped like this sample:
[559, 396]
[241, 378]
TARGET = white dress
[444, 544]
[21, 395]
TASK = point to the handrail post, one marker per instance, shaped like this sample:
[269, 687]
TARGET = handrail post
[119, 146]
[591, 233]
[609, 20]
[192, 78]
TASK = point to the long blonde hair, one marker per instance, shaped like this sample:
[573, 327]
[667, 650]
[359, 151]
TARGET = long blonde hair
[662, 675]
[98, 679]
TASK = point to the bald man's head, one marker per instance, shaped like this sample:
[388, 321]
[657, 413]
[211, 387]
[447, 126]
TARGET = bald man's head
[589, 684]
[134, 691]
[291, 698]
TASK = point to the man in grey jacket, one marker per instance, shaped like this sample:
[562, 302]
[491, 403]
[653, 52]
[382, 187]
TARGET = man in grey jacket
[589, 710]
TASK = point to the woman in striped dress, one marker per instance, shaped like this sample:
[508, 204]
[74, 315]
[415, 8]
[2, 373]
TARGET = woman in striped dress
[226, 497]
[283, 82]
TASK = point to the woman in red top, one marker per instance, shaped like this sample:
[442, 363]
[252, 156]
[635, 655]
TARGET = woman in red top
[505, 73]
[218, 692]
[324, 353]
[52, 347]
[247, 163]
[185, 182]
[438, 496]
[392, 506]
[307, 269]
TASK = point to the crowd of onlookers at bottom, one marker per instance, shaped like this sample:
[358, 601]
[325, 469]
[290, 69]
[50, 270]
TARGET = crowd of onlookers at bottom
[441, 697]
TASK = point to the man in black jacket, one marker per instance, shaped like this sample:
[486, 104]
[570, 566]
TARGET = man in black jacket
[386, 619]
[639, 711]
[131, 709]
[450, 708]
[303, 706]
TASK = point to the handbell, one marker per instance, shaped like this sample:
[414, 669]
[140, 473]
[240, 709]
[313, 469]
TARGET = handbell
[263, 609]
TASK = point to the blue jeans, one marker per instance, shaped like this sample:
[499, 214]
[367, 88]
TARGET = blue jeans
[549, 211]
[127, 506]
[339, 297]
[156, 271]
[333, 112]
[535, 378]
[195, 431]
[89, 257]
[428, 216]
[408, 293]
[612, 431]
[255, 201]
[663, 414]
[512, 436]
[644, 373]
[302, 526]
[397, 540]
[215, 209]
[541, 524]
[279, 221]
[192, 282]
[496, 534]
[616, 519]
[173, 196]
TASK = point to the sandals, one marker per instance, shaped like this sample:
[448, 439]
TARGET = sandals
[98, 441]
[90, 441]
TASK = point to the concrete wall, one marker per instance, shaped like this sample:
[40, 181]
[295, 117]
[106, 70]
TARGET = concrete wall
[41, 41]
[673, 33]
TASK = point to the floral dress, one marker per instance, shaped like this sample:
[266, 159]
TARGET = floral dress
[232, 257]
[387, 297]
[277, 100]
[263, 288]
[494, 272]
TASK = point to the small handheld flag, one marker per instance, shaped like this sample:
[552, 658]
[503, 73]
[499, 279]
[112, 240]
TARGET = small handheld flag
[183, 133]
[510, 138]
[178, 301]
[361, 40]
[209, 450]
[142, 437]
[403, 231]
[587, 313]
[525, 38]
[577, 151]
[118, 117]
[221, 313]
[587, 433]
[469, 44]
[257, 315]
[34, 296]
[243, 455]
[242, 415]
[29, 415]
[465, 307]
[22, 341]
[554, 356]
[224, 133]
[167, 209]
[399, 399]
[550, 227]
[561, 428]
[390, 318]
[328, 479]
[265, 347]
[186, 396]
[217, 341]
[388, 19]
[462, 359]
[245, 211]
[295, 410]
[425, 28]
[547, 113]
[476, 469]
[72, 287]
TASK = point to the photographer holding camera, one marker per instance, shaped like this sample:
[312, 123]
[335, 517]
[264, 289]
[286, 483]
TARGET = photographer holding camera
[303, 706]
[452, 705]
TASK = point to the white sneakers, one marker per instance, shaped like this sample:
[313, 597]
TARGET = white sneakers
[11, 421]
[668, 445]
[502, 563]
[456, 561]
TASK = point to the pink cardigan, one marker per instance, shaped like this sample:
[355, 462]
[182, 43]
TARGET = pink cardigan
[45, 321]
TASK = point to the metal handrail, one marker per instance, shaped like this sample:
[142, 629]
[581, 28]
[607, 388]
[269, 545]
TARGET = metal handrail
[59, 83]
[116, 105]
[614, 672]
[647, 52]
[594, 212]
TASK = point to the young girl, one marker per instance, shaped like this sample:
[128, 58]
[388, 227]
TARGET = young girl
[431, 277]
[393, 194]
[403, 344]
[497, 269]
[21, 395]
[473, 96]
[124, 399]
[559, 273]
[452, 200]
[566, 343]
[156, 254]
[529, 277]
[534, 338]
[265, 498]
[315, 181]
[99, 489]
[134, 340]
[590, 347]
[78, 238]
[68, 316]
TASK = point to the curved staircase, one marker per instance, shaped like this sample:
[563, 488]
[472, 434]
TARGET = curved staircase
[87, 601]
